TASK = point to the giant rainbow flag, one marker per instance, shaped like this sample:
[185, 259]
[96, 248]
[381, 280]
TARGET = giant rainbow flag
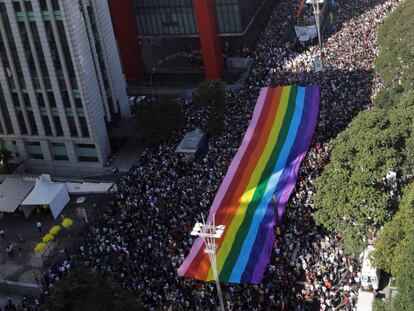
[261, 176]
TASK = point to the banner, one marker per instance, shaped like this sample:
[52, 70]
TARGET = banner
[265, 166]
[306, 33]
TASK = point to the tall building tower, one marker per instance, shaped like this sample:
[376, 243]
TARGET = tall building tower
[61, 84]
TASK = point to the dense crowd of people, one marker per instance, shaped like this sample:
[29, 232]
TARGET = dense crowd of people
[144, 235]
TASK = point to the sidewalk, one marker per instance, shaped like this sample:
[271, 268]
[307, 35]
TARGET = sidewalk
[24, 235]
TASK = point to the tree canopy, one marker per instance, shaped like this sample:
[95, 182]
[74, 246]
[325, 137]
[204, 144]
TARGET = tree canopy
[353, 194]
[396, 236]
[210, 95]
[83, 290]
[395, 62]
[156, 121]
[404, 301]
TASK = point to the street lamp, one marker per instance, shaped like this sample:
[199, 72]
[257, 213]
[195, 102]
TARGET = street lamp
[152, 85]
[209, 233]
[316, 13]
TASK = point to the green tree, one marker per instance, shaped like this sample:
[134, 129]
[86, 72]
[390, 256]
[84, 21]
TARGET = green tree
[83, 290]
[388, 97]
[210, 96]
[352, 195]
[396, 236]
[404, 301]
[380, 305]
[395, 62]
[156, 121]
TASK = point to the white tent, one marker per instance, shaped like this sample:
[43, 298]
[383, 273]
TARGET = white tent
[55, 195]
[12, 193]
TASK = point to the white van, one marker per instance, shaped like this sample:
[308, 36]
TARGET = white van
[370, 276]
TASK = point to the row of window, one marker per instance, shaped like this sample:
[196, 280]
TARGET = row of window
[29, 8]
[169, 17]
[58, 151]
[68, 90]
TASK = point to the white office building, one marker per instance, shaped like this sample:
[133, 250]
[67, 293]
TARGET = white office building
[61, 84]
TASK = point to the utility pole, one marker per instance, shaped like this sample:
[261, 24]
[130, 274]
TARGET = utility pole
[316, 13]
[209, 233]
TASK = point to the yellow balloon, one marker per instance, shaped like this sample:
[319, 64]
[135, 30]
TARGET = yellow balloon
[55, 229]
[48, 237]
[39, 247]
[67, 222]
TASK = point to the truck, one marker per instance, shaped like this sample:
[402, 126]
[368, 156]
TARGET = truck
[370, 276]
[365, 300]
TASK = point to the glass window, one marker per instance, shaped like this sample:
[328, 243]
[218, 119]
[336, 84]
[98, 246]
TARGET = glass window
[78, 103]
[22, 125]
[17, 7]
[43, 5]
[28, 6]
[72, 126]
[12, 147]
[51, 98]
[40, 100]
[66, 52]
[59, 152]
[58, 126]
[10, 38]
[15, 99]
[5, 111]
[35, 150]
[65, 98]
[165, 17]
[86, 153]
[84, 126]
[26, 100]
[55, 4]
[46, 125]
[32, 122]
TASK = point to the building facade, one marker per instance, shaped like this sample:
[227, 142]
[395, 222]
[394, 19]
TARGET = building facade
[168, 18]
[167, 28]
[61, 84]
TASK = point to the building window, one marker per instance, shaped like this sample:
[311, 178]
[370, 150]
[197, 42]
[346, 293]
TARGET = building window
[32, 122]
[40, 100]
[28, 6]
[12, 147]
[86, 153]
[43, 5]
[4, 109]
[65, 98]
[51, 98]
[84, 126]
[26, 100]
[55, 4]
[17, 7]
[58, 126]
[78, 102]
[72, 126]
[46, 125]
[35, 150]
[22, 124]
[59, 152]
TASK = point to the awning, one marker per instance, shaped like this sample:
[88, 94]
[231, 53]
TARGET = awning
[47, 193]
[191, 142]
[12, 193]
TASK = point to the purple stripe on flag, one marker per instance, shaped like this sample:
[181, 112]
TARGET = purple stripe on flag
[257, 264]
[198, 243]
